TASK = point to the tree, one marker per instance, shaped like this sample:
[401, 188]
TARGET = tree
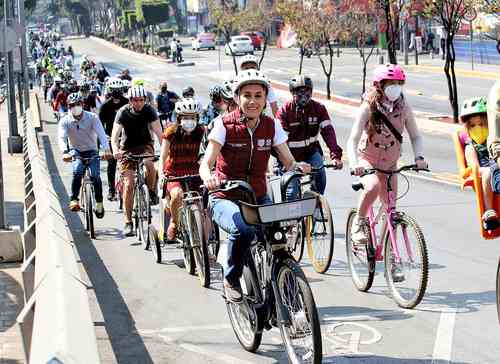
[392, 10]
[451, 13]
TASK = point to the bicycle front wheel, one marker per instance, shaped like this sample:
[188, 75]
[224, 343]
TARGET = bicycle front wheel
[361, 263]
[89, 209]
[295, 239]
[144, 215]
[199, 245]
[187, 250]
[406, 262]
[302, 337]
[320, 236]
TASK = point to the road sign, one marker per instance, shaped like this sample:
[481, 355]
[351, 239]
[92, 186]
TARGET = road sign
[10, 38]
[470, 15]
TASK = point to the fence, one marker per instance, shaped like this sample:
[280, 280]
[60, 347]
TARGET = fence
[56, 323]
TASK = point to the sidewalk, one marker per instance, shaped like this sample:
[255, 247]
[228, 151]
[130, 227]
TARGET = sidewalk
[11, 286]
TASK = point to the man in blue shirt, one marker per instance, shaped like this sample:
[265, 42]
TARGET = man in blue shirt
[165, 103]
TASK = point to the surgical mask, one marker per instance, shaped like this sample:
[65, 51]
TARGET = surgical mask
[77, 110]
[392, 92]
[479, 134]
[188, 125]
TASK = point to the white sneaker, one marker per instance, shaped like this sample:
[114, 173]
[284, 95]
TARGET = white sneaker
[360, 231]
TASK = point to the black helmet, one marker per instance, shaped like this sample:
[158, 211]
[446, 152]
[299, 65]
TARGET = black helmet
[188, 92]
[300, 81]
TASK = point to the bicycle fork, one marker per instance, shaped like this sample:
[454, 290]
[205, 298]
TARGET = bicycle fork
[281, 311]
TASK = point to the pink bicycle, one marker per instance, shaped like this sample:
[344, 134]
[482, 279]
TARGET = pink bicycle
[401, 247]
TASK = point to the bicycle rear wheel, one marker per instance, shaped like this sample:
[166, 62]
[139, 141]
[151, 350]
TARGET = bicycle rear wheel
[244, 318]
[407, 276]
[361, 263]
[144, 216]
[89, 209]
[155, 243]
[302, 337]
[320, 236]
[295, 239]
[199, 245]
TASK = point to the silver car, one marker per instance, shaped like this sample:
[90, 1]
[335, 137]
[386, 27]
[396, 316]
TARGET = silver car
[240, 44]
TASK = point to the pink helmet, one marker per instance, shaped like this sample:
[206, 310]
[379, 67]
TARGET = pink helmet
[388, 72]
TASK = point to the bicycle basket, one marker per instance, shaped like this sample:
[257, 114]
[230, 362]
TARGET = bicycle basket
[283, 211]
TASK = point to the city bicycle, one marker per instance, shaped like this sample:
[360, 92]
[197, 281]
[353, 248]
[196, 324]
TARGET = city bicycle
[316, 231]
[141, 210]
[401, 247]
[275, 290]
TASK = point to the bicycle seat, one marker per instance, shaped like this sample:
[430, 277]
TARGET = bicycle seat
[356, 186]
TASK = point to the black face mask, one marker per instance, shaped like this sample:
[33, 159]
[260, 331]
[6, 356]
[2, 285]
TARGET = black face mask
[116, 94]
[302, 98]
[163, 89]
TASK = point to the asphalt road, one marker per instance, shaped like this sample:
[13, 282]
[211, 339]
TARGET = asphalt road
[156, 313]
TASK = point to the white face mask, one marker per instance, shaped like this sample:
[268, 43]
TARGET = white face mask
[392, 92]
[188, 125]
[76, 110]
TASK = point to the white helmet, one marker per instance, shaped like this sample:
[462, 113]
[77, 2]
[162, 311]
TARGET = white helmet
[114, 82]
[227, 89]
[136, 91]
[126, 83]
[249, 77]
[187, 106]
[249, 58]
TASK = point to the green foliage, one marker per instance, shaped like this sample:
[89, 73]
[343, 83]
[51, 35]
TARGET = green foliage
[152, 12]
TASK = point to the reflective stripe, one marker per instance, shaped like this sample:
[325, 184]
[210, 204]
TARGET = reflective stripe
[325, 123]
[303, 143]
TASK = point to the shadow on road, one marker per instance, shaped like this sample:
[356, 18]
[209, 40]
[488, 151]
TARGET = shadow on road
[127, 344]
[336, 313]
[11, 298]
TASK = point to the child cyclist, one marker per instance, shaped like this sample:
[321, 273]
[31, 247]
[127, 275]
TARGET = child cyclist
[376, 138]
[179, 154]
[475, 119]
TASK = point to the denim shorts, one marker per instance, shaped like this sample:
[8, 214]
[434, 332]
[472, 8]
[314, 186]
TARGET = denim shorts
[495, 178]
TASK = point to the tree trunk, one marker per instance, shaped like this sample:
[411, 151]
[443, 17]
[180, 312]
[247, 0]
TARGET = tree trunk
[302, 50]
[449, 70]
[264, 48]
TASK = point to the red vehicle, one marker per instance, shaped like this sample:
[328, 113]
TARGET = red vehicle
[257, 39]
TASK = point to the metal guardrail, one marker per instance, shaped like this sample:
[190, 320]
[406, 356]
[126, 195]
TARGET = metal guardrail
[56, 322]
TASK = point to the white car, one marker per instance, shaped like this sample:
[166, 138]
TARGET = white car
[240, 44]
[203, 40]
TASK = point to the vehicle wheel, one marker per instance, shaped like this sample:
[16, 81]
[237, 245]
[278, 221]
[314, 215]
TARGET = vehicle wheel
[320, 236]
[244, 319]
[361, 263]
[90, 210]
[144, 216]
[295, 239]
[302, 338]
[408, 288]
[155, 243]
[186, 245]
[199, 244]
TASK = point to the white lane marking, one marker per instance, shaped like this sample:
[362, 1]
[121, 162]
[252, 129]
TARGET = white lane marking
[376, 336]
[220, 357]
[184, 329]
[444, 338]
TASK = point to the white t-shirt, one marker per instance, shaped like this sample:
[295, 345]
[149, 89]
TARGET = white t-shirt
[271, 96]
[218, 133]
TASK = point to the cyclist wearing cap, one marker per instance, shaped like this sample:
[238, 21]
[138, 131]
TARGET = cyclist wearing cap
[180, 150]
[376, 138]
[132, 135]
[241, 142]
[107, 114]
[305, 119]
[215, 107]
[125, 75]
[78, 133]
[249, 62]
[165, 103]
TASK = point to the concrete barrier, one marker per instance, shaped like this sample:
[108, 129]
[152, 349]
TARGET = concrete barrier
[56, 322]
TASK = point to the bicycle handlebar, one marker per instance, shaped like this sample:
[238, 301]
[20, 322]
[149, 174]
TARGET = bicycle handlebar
[181, 178]
[356, 186]
[139, 157]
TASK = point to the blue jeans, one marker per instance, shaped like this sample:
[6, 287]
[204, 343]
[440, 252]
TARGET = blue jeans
[316, 161]
[78, 169]
[226, 214]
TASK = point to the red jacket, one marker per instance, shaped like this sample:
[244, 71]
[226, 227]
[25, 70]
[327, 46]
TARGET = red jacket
[61, 100]
[304, 126]
[244, 156]
[184, 151]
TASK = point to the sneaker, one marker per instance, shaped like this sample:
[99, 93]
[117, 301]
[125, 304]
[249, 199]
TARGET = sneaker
[233, 292]
[153, 198]
[128, 230]
[397, 273]
[360, 231]
[99, 210]
[74, 205]
[111, 196]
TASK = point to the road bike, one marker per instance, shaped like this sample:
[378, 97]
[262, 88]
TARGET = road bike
[141, 210]
[275, 290]
[191, 236]
[401, 247]
[316, 231]
[87, 195]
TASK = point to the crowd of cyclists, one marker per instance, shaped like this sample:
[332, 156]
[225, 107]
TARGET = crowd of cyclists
[231, 138]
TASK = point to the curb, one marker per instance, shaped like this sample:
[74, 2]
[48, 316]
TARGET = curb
[459, 72]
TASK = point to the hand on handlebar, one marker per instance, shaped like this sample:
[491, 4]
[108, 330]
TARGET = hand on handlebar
[67, 157]
[337, 163]
[358, 171]
[118, 155]
[106, 155]
[304, 167]
[422, 164]
[212, 183]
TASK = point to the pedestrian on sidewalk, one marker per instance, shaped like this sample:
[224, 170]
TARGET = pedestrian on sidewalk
[173, 50]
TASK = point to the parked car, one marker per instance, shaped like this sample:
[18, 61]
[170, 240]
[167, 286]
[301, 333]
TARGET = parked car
[240, 44]
[203, 40]
[256, 37]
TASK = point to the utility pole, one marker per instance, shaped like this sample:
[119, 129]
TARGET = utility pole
[416, 32]
[15, 143]
[24, 56]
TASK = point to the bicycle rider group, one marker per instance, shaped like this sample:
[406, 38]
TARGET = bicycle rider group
[229, 144]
